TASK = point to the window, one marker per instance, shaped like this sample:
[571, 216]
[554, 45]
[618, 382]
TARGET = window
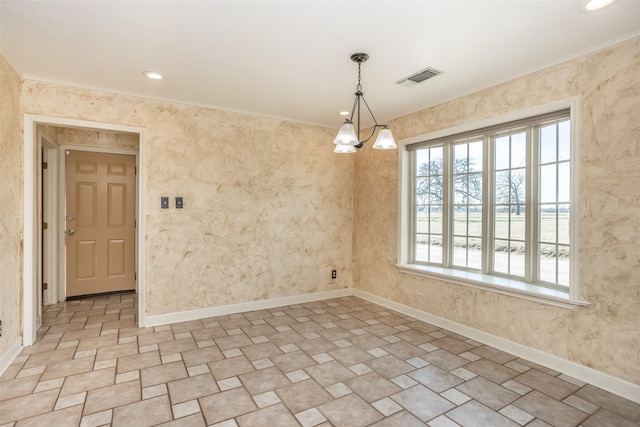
[491, 207]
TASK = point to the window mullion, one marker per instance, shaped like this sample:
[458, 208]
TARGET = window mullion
[487, 206]
[447, 209]
[532, 220]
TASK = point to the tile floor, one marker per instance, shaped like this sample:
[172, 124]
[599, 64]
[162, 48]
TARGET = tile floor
[341, 362]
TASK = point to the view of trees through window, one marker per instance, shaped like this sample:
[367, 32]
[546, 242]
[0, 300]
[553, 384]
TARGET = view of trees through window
[460, 165]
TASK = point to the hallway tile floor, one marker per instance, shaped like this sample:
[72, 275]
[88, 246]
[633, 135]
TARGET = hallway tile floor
[340, 362]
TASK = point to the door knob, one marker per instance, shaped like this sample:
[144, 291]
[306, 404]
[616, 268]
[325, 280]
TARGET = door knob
[71, 232]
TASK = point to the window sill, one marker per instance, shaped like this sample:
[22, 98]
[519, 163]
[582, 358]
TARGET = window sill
[495, 284]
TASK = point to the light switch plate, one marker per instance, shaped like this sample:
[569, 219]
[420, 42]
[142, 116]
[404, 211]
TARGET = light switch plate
[179, 203]
[164, 202]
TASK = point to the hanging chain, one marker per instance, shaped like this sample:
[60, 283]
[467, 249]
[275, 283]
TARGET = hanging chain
[359, 87]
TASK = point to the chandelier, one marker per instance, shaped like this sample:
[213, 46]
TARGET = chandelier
[348, 139]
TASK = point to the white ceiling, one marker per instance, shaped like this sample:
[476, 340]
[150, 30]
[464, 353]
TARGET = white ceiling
[290, 59]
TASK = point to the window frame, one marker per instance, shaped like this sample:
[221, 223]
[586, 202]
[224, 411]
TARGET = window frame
[566, 298]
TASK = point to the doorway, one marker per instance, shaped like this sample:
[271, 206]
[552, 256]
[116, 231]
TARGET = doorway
[33, 199]
[100, 197]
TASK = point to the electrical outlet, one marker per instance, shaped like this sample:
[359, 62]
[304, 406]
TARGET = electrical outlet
[0, 328]
[179, 203]
[164, 202]
[334, 274]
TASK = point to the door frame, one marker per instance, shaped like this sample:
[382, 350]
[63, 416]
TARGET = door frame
[50, 213]
[32, 245]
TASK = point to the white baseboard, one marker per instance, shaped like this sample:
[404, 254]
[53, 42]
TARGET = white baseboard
[202, 313]
[9, 356]
[599, 379]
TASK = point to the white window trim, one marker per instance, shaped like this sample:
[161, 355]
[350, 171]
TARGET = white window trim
[570, 299]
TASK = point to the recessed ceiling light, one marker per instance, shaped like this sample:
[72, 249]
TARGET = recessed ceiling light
[593, 5]
[152, 75]
[344, 113]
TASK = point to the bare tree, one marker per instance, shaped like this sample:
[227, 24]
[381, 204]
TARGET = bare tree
[430, 183]
[510, 189]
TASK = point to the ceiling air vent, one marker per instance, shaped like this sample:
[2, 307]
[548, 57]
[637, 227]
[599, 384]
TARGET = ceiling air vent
[419, 77]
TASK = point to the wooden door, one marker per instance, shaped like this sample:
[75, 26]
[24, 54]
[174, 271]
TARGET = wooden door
[100, 222]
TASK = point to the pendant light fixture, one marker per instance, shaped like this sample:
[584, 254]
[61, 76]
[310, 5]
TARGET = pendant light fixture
[348, 138]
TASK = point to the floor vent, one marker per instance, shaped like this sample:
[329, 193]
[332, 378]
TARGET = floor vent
[419, 77]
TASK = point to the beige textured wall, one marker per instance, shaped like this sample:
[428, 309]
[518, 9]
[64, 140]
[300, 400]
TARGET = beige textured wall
[96, 138]
[268, 206]
[10, 207]
[605, 335]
